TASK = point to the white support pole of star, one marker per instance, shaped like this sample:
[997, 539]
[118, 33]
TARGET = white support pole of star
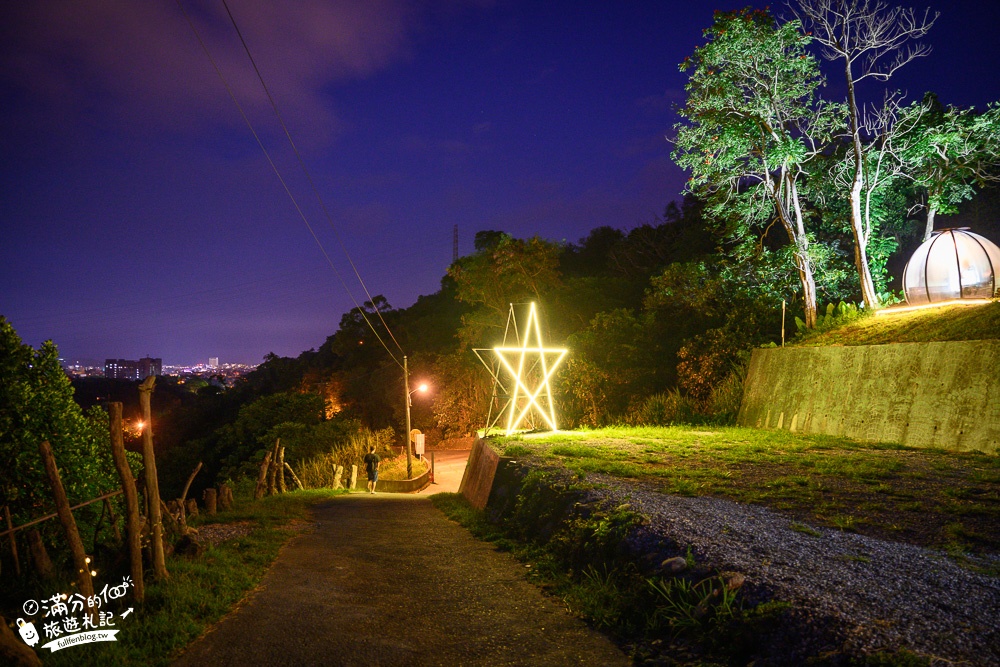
[514, 359]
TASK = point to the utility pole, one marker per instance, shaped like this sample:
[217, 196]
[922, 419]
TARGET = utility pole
[406, 436]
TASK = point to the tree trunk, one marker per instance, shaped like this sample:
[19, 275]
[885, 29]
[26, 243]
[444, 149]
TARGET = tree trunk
[192, 507]
[152, 482]
[39, 555]
[857, 222]
[931, 212]
[13, 541]
[85, 584]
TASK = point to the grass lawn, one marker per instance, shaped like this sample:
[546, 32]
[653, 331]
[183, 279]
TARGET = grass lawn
[934, 498]
[977, 322]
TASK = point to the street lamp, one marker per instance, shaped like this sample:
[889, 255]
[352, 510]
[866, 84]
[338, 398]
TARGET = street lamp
[406, 388]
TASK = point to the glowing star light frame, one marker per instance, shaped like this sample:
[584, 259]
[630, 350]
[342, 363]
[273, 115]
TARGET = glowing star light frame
[524, 362]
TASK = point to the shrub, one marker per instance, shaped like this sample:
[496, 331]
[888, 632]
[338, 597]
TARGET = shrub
[320, 472]
[724, 401]
[670, 407]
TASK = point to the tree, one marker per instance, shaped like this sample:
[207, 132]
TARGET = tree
[36, 403]
[504, 271]
[951, 151]
[867, 39]
[753, 126]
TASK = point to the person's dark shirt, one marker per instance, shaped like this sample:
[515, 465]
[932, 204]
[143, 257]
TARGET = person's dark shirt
[371, 461]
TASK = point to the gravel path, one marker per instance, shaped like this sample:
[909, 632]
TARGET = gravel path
[871, 594]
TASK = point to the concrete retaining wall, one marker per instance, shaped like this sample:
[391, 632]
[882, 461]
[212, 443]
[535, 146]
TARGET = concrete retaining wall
[918, 394]
[479, 472]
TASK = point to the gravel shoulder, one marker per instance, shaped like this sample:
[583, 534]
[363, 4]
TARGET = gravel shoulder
[386, 579]
[869, 594]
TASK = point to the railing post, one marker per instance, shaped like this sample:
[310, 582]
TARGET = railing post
[80, 560]
[152, 483]
[13, 542]
[132, 525]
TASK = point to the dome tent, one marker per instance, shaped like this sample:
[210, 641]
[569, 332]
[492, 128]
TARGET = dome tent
[952, 264]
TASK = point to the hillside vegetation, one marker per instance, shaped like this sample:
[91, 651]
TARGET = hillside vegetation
[960, 322]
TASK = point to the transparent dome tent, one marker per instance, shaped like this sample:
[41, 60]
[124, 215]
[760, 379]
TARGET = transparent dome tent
[952, 264]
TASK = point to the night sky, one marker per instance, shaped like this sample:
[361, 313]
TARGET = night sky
[139, 217]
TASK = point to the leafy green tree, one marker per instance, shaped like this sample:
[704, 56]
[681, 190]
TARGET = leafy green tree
[725, 311]
[613, 362]
[36, 403]
[250, 434]
[752, 125]
[505, 271]
[952, 152]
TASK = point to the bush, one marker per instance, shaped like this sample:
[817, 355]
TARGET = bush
[320, 472]
[724, 401]
[670, 407]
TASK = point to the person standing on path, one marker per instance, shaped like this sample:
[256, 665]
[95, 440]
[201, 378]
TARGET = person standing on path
[371, 464]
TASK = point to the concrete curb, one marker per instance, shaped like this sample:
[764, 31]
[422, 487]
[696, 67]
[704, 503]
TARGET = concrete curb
[418, 483]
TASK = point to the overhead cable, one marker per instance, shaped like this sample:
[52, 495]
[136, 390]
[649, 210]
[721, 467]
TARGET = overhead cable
[277, 173]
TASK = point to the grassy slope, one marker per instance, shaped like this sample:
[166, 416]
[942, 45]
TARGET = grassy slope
[919, 326]
[936, 498]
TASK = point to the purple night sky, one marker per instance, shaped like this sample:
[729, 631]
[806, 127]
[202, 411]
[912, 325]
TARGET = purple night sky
[138, 216]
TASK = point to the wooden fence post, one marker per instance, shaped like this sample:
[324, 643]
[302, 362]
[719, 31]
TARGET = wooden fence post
[258, 492]
[114, 520]
[13, 542]
[225, 497]
[80, 560]
[132, 524]
[187, 486]
[272, 468]
[208, 495]
[152, 482]
[281, 470]
[39, 556]
[183, 498]
[294, 476]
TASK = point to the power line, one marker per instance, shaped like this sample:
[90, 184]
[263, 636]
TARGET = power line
[305, 170]
[277, 173]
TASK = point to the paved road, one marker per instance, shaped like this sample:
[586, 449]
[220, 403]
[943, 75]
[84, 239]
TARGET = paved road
[387, 580]
[449, 466]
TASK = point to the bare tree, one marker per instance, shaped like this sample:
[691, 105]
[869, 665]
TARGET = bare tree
[870, 40]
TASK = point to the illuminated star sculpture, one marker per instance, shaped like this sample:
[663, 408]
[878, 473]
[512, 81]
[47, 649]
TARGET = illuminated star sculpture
[528, 366]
